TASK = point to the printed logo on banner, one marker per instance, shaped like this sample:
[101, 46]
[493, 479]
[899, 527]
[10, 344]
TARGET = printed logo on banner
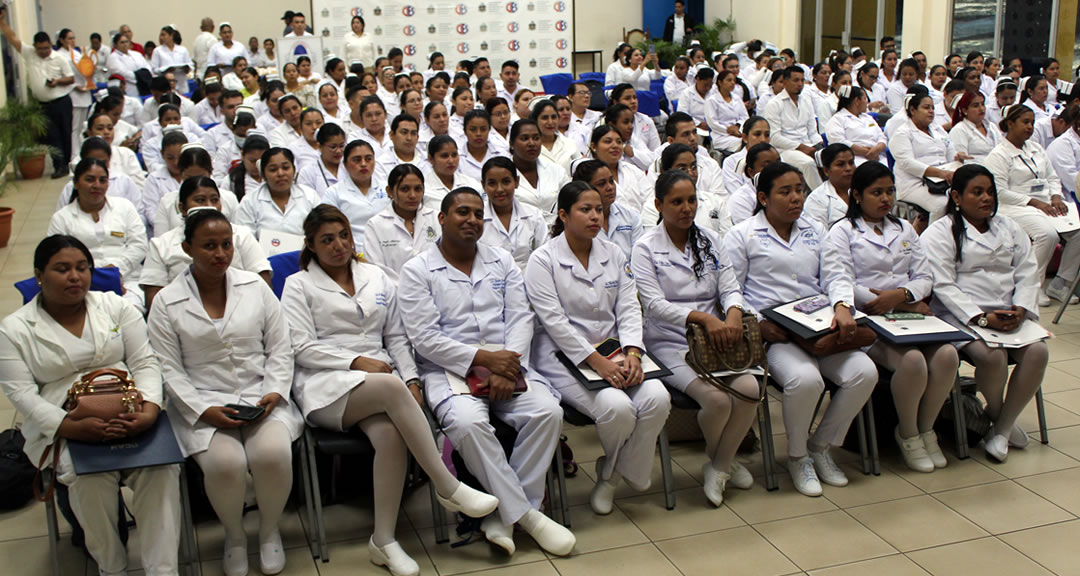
[484, 46]
[561, 44]
[432, 48]
[409, 50]
[531, 7]
[561, 62]
[378, 30]
[561, 25]
[408, 11]
[532, 45]
[463, 47]
[532, 25]
[461, 9]
[532, 63]
[378, 11]
[357, 11]
[409, 30]
[325, 12]
[463, 28]
[431, 29]
[513, 45]
[560, 6]
[431, 9]
[511, 7]
[483, 27]
[483, 7]
[512, 27]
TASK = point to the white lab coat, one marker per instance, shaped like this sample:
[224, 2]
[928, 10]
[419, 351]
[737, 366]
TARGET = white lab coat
[303, 153]
[857, 259]
[733, 173]
[645, 140]
[1064, 155]
[670, 290]
[388, 244]
[163, 59]
[118, 238]
[1016, 171]
[562, 152]
[720, 114]
[624, 228]
[360, 48]
[472, 168]
[550, 178]
[222, 56]
[791, 125]
[388, 159]
[356, 205]
[317, 177]
[159, 183]
[862, 130]
[166, 259]
[914, 152]
[201, 50]
[168, 214]
[250, 357]
[329, 328]
[675, 88]
[632, 188]
[528, 231]
[1040, 111]
[120, 186]
[824, 205]
[283, 136]
[742, 202]
[693, 104]
[435, 190]
[894, 96]
[640, 79]
[258, 211]
[126, 65]
[967, 139]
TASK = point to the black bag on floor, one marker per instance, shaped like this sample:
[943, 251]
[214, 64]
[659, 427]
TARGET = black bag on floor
[16, 471]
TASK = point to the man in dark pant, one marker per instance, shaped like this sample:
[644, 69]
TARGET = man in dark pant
[58, 136]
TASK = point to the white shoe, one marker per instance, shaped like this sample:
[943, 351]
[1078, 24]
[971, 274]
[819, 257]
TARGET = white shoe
[235, 561]
[1017, 437]
[715, 481]
[498, 533]
[1044, 299]
[997, 446]
[392, 556]
[933, 450]
[603, 493]
[469, 501]
[803, 476]
[914, 452]
[549, 534]
[741, 477]
[272, 555]
[827, 470]
[1061, 292]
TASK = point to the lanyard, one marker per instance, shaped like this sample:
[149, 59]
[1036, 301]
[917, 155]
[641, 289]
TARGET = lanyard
[323, 173]
[1028, 166]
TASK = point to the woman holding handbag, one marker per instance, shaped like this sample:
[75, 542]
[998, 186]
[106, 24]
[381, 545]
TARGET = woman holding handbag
[65, 332]
[684, 276]
[776, 255]
[877, 261]
[225, 353]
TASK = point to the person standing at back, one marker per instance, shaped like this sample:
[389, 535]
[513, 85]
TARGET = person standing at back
[203, 43]
[679, 25]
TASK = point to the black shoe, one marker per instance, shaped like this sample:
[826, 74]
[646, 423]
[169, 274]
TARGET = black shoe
[60, 174]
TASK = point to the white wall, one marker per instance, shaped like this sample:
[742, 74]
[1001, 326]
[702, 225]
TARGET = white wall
[775, 21]
[600, 24]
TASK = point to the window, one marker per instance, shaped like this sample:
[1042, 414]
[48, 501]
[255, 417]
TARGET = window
[973, 26]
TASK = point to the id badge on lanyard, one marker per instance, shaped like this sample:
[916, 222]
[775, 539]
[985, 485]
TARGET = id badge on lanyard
[1039, 186]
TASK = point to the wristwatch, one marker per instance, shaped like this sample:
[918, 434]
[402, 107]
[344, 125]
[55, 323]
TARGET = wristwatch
[635, 353]
[844, 304]
[983, 321]
[908, 296]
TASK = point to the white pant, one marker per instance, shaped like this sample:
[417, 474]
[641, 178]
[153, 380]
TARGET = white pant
[1044, 238]
[156, 507]
[803, 379]
[628, 423]
[518, 483]
[920, 196]
[806, 165]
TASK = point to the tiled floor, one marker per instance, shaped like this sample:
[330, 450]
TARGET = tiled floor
[974, 517]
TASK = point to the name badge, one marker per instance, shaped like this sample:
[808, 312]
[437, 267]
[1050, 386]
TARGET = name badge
[116, 234]
[1038, 186]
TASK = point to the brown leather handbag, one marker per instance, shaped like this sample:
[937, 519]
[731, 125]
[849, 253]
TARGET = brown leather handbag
[101, 394]
[705, 358]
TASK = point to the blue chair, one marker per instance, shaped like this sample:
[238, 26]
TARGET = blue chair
[208, 126]
[556, 83]
[101, 280]
[283, 265]
[598, 76]
[648, 103]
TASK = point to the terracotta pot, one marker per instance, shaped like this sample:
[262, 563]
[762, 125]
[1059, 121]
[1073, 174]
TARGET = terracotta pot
[31, 166]
[5, 225]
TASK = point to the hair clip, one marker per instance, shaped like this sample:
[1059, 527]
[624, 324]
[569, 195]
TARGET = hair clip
[755, 180]
[956, 100]
[844, 91]
[192, 146]
[858, 66]
[818, 158]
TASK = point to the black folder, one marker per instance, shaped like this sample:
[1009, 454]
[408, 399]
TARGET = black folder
[155, 447]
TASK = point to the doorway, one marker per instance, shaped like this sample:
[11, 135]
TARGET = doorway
[844, 24]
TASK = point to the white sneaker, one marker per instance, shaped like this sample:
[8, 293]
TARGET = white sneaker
[392, 556]
[827, 470]
[603, 493]
[914, 452]
[741, 477]
[1060, 291]
[498, 533]
[933, 450]
[469, 501]
[549, 534]
[1044, 299]
[1017, 437]
[997, 446]
[715, 481]
[803, 476]
[272, 555]
[235, 561]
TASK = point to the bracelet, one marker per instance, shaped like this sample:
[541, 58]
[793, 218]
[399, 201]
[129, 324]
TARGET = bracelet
[415, 381]
[635, 354]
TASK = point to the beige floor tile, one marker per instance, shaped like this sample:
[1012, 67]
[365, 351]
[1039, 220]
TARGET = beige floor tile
[416, 504]
[1068, 399]
[642, 560]
[544, 568]
[583, 441]
[345, 521]
[594, 532]
[680, 478]
[1067, 347]
[477, 555]
[823, 540]
[986, 557]
[1062, 488]
[1056, 417]
[1067, 441]
[694, 515]
[28, 522]
[211, 534]
[1052, 546]
[580, 486]
[758, 505]
[958, 474]
[31, 557]
[1003, 507]
[1061, 376]
[897, 565]
[863, 489]
[1036, 458]
[735, 552]
[914, 523]
[350, 558]
[298, 562]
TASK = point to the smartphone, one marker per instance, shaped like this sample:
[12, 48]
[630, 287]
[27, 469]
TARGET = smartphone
[904, 316]
[812, 305]
[652, 48]
[246, 413]
[609, 348]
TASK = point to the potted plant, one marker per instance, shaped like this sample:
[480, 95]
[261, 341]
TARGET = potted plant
[21, 125]
[713, 39]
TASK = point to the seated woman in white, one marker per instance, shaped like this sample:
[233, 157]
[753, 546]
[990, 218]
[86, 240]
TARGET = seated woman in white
[222, 340]
[329, 103]
[244, 177]
[508, 224]
[853, 126]
[110, 227]
[621, 118]
[1034, 92]
[123, 159]
[306, 148]
[683, 275]
[475, 144]
[638, 74]
[357, 196]
[120, 186]
[166, 178]
[539, 179]
[984, 275]
[462, 102]
[436, 123]
[631, 183]
[620, 224]
[878, 260]
[754, 131]
[328, 169]
[403, 229]
[583, 294]
[777, 259]
[972, 134]
[742, 204]
[1064, 154]
[645, 135]
[499, 113]
[1029, 193]
[194, 161]
[280, 204]
[64, 332]
[289, 130]
[826, 107]
[166, 259]
[443, 174]
[920, 147]
[829, 202]
[354, 368]
[230, 150]
[554, 147]
[150, 147]
[725, 113]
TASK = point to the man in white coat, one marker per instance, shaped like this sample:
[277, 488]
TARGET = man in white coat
[203, 43]
[469, 316]
[794, 126]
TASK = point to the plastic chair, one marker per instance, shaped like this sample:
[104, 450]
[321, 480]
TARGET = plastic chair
[101, 280]
[597, 76]
[648, 103]
[283, 265]
[556, 83]
[208, 126]
[597, 97]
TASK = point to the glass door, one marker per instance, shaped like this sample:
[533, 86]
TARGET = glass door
[841, 25]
